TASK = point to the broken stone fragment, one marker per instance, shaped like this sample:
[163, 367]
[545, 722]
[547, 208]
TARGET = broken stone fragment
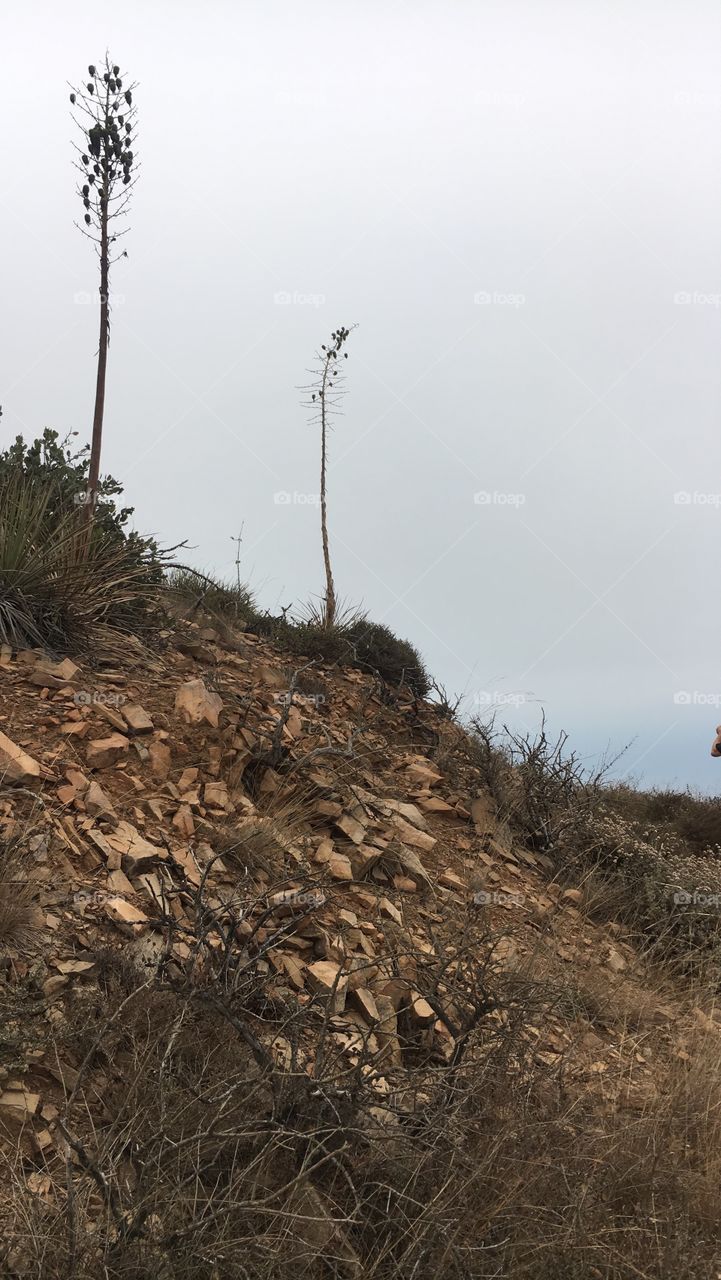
[160, 760]
[363, 1001]
[412, 835]
[129, 919]
[449, 880]
[195, 702]
[112, 716]
[325, 979]
[102, 753]
[96, 801]
[137, 718]
[137, 853]
[215, 794]
[420, 1011]
[387, 909]
[16, 766]
[387, 1031]
[351, 828]
[339, 867]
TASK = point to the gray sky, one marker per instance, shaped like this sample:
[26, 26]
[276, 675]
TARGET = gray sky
[520, 206]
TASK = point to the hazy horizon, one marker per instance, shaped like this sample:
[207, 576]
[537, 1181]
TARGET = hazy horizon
[518, 206]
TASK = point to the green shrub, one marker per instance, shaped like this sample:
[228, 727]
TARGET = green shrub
[367, 646]
[231, 601]
[353, 641]
[54, 469]
[55, 587]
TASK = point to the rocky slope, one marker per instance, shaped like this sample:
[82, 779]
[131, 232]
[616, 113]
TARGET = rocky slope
[318, 858]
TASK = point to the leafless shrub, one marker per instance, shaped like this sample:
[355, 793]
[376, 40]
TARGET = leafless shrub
[245, 1133]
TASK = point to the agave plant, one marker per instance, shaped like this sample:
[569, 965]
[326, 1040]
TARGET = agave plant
[53, 589]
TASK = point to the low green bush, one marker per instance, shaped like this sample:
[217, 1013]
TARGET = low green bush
[354, 641]
[367, 646]
[196, 591]
[56, 586]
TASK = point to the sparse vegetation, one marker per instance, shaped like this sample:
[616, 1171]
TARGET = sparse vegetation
[324, 396]
[215, 1149]
[280, 1028]
[352, 641]
[105, 115]
[53, 591]
[55, 588]
[648, 855]
[202, 593]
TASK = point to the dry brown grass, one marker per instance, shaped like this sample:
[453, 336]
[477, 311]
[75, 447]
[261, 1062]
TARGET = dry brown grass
[17, 913]
[212, 1158]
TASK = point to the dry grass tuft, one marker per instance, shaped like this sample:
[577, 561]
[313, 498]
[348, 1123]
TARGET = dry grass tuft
[17, 913]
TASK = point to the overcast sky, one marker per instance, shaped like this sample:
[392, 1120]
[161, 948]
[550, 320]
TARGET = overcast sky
[519, 204]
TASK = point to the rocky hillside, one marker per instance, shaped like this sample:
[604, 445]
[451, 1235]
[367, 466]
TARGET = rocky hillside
[282, 995]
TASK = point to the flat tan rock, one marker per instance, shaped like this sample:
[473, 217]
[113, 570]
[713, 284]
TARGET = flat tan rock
[128, 917]
[197, 703]
[412, 835]
[339, 867]
[351, 828]
[449, 880]
[324, 977]
[363, 1001]
[137, 718]
[216, 795]
[16, 766]
[160, 760]
[112, 716]
[97, 802]
[103, 753]
[137, 853]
